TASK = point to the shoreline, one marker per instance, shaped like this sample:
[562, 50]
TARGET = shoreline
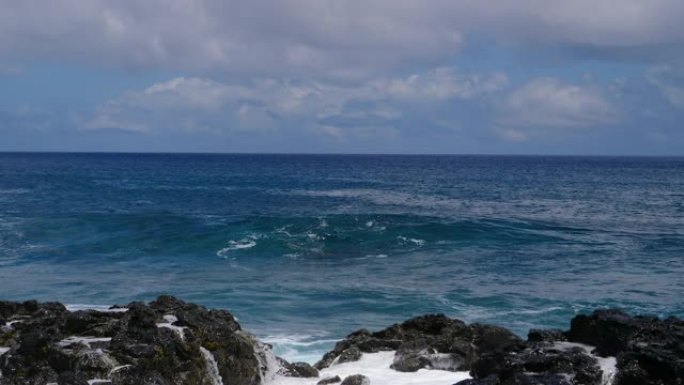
[168, 341]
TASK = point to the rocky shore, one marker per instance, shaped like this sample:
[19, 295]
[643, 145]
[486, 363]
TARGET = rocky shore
[170, 342]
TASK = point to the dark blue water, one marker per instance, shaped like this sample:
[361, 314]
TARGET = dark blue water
[304, 249]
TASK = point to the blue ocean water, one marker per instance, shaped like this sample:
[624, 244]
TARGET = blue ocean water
[304, 249]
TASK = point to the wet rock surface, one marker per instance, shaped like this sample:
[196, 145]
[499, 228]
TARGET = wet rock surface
[356, 379]
[156, 343]
[605, 347]
[329, 380]
[428, 342]
[170, 342]
[297, 369]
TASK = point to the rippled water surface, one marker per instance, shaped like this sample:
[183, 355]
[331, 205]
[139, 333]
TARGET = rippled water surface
[304, 249]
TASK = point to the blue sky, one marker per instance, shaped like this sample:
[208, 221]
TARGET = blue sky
[345, 76]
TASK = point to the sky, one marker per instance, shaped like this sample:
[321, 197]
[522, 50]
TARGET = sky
[581, 77]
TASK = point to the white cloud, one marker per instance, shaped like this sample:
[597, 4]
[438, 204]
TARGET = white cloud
[670, 83]
[317, 38]
[590, 23]
[356, 133]
[441, 84]
[549, 103]
[306, 37]
[269, 102]
[331, 131]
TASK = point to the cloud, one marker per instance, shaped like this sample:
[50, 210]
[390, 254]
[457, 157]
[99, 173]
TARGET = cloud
[588, 23]
[669, 82]
[550, 103]
[351, 39]
[441, 84]
[341, 39]
[202, 102]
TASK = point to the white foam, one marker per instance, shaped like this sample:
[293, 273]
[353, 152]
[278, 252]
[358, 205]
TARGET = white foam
[4, 350]
[246, 243]
[376, 366]
[82, 340]
[607, 364]
[98, 381]
[269, 365]
[169, 324]
[609, 367]
[378, 256]
[212, 367]
[283, 230]
[313, 236]
[415, 241]
[8, 326]
[300, 347]
[100, 308]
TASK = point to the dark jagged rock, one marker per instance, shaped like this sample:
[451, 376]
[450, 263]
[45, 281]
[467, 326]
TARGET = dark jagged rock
[297, 369]
[160, 343]
[543, 363]
[356, 379]
[545, 335]
[71, 378]
[329, 380]
[350, 354]
[647, 350]
[414, 355]
[610, 331]
[430, 341]
[170, 342]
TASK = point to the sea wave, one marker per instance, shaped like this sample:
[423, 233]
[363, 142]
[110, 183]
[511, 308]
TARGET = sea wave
[300, 347]
[415, 241]
[245, 243]
[576, 211]
[14, 191]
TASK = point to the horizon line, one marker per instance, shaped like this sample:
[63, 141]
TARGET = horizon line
[337, 154]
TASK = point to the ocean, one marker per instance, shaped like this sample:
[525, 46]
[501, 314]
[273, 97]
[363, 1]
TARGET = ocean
[304, 249]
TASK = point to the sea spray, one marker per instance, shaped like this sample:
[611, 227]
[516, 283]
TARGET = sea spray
[211, 367]
[268, 363]
[3, 350]
[169, 324]
[608, 365]
[376, 366]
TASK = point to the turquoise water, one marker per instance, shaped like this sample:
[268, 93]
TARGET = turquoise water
[305, 249]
